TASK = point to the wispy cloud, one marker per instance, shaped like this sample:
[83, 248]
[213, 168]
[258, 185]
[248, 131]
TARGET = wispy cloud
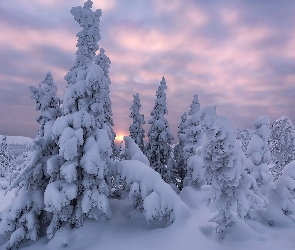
[238, 55]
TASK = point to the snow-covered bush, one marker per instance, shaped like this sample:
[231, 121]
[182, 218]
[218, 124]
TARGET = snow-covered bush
[149, 193]
[281, 144]
[135, 129]
[229, 193]
[158, 149]
[22, 219]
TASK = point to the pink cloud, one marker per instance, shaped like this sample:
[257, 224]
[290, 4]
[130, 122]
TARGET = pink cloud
[29, 38]
[199, 48]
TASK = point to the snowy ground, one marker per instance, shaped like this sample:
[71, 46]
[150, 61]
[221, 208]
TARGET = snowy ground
[133, 234]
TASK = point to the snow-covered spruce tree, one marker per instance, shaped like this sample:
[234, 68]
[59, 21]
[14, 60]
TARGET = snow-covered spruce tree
[5, 159]
[104, 62]
[194, 139]
[258, 156]
[78, 174]
[281, 144]
[193, 131]
[244, 137]
[135, 129]
[257, 161]
[229, 193]
[158, 149]
[179, 152]
[22, 219]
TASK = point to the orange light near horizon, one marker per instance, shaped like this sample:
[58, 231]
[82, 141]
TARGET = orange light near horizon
[119, 137]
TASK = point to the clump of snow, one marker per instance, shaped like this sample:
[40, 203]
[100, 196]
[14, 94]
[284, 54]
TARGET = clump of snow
[58, 194]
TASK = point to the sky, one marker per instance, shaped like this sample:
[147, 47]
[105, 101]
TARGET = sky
[236, 54]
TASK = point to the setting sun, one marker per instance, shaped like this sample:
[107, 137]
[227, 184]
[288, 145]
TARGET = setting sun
[119, 137]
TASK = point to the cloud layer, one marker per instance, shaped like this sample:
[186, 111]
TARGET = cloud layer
[238, 55]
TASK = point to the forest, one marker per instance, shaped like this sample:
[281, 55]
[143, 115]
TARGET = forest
[73, 172]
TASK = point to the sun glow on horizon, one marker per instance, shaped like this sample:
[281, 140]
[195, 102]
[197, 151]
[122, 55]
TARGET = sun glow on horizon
[119, 137]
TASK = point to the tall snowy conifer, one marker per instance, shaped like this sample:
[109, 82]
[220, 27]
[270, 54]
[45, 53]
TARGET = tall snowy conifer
[77, 187]
[135, 129]
[21, 220]
[178, 150]
[229, 193]
[104, 62]
[193, 131]
[281, 144]
[258, 156]
[194, 139]
[158, 149]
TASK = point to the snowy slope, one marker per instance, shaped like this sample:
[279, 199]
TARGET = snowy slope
[17, 139]
[134, 234]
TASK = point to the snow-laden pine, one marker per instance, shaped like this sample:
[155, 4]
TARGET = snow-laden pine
[229, 193]
[193, 131]
[135, 129]
[258, 158]
[104, 62]
[78, 188]
[281, 144]
[179, 152]
[22, 219]
[158, 149]
[194, 139]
